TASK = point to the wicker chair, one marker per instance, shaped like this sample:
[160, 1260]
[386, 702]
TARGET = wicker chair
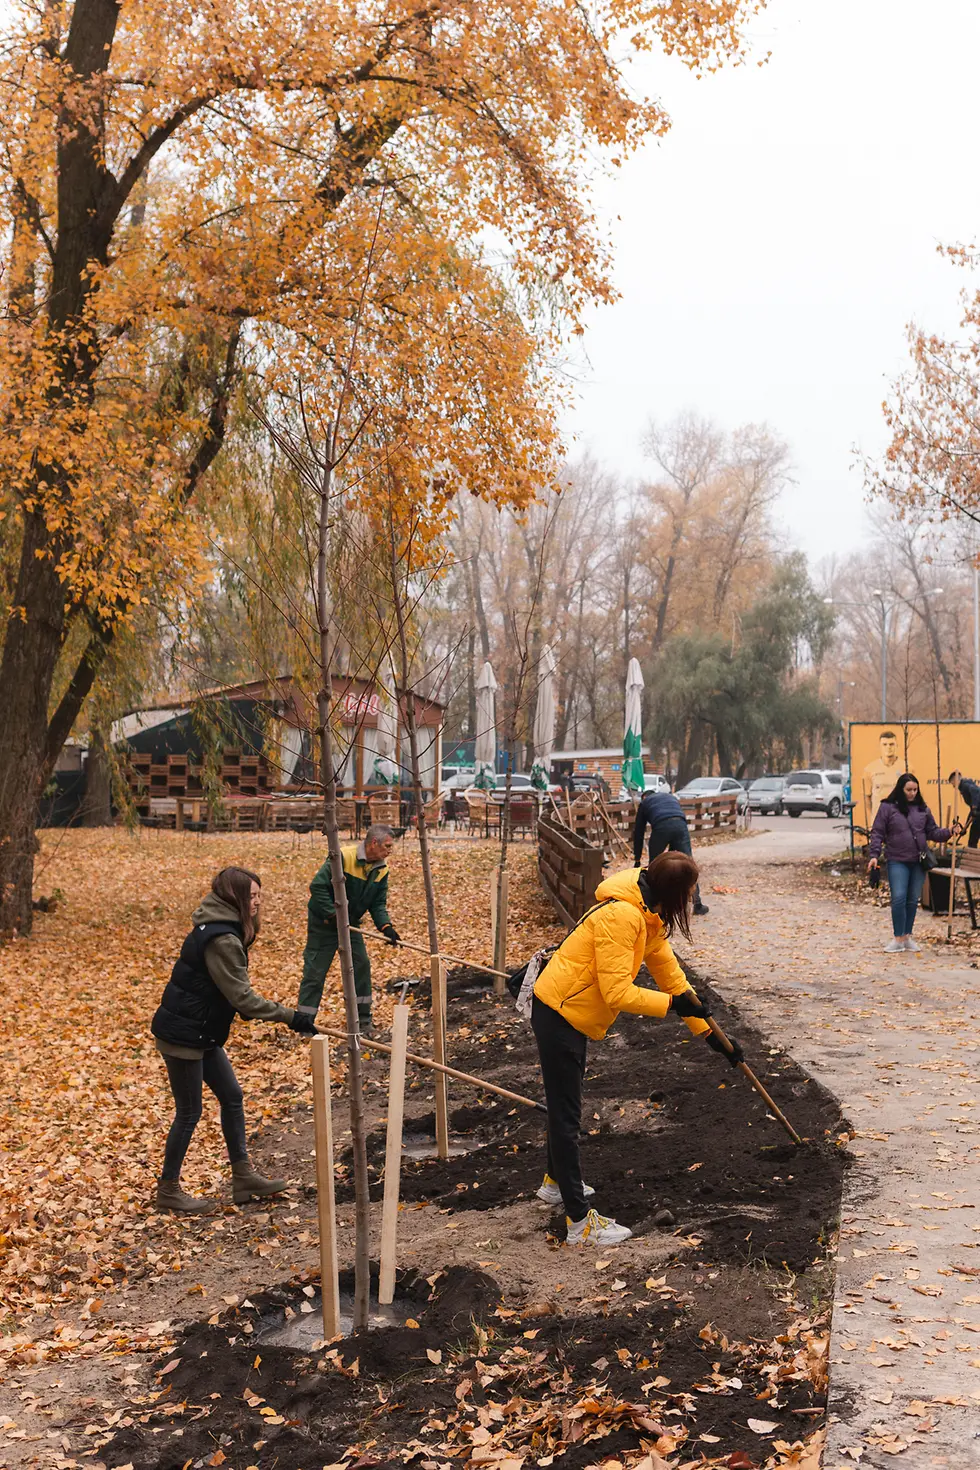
[523, 817]
[382, 809]
[433, 812]
[346, 813]
[484, 814]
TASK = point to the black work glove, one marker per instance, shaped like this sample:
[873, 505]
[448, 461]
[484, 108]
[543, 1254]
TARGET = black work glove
[391, 934]
[732, 1057]
[687, 1004]
[304, 1023]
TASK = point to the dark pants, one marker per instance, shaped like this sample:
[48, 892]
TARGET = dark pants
[974, 836]
[905, 881]
[186, 1079]
[672, 835]
[318, 956]
[562, 1051]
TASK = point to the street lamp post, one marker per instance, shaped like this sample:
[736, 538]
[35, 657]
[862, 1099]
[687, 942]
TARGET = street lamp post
[843, 684]
[889, 607]
[884, 651]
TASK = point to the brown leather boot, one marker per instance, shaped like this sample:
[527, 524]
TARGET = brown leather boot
[246, 1184]
[170, 1196]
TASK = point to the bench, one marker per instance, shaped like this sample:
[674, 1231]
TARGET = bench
[967, 871]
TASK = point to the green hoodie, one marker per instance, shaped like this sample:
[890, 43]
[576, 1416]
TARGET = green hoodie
[227, 964]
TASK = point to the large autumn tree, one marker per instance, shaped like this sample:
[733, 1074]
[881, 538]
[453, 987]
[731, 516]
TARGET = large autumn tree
[172, 174]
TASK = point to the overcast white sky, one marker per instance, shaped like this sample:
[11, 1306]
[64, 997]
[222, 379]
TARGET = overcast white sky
[772, 247]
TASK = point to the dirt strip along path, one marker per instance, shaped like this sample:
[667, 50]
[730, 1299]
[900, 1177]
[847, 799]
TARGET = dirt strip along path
[895, 1038]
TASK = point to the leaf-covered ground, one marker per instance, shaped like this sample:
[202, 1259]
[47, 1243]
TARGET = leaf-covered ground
[100, 1294]
[84, 1105]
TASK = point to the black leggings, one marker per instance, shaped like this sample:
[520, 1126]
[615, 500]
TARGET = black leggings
[562, 1051]
[186, 1079]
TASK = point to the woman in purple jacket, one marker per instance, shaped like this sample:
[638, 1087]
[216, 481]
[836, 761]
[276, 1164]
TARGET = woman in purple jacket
[905, 826]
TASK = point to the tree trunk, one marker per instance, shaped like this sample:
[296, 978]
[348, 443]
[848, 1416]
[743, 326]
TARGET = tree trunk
[30, 654]
[355, 1079]
[97, 803]
[411, 725]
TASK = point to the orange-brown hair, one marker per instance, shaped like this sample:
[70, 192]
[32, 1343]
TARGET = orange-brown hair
[234, 885]
[672, 878]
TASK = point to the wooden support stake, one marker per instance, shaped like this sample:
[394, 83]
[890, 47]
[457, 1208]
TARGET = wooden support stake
[455, 959]
[502, 888]
[326, 1207]
[393, 1152]
[747, 1072]
[437, 971]
[430, 1065]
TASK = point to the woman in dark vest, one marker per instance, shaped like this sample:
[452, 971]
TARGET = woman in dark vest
[209, 986]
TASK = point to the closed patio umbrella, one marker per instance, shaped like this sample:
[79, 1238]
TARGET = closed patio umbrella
[385, 772]
[633, 730]
[545, 714]
[485, 754]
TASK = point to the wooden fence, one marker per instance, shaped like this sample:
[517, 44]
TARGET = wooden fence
[709, 813]
[592, 820]
[570, 869]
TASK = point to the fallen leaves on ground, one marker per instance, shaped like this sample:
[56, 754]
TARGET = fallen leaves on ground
[84, 1103]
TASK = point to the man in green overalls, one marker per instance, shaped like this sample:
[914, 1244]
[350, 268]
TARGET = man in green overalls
[366, 881]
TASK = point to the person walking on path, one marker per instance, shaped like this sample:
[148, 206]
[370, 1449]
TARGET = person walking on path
[208, 987]
[970, 792]
[669, 832]
[582, 989]
[904, 827]
[366, 880]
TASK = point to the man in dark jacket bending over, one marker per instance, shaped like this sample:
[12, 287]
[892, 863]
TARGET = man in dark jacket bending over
[366, 880]
[664, 815]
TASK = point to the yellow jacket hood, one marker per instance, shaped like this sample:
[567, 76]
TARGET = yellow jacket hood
[625, 887]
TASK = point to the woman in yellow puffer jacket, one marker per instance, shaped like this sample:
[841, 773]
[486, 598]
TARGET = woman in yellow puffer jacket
[581, 991]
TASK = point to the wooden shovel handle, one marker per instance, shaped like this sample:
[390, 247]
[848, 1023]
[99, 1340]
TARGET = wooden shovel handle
[746, 1071]
[371, 1045]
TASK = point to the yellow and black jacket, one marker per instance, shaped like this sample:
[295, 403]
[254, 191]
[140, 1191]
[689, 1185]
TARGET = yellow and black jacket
[591, 977]
[367, 889]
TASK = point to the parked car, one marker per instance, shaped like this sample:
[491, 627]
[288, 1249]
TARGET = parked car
[457, 778]
[814, 791]
[766, 795]
[650, 783]
[520, 785]
[717, 786]
[589, 781]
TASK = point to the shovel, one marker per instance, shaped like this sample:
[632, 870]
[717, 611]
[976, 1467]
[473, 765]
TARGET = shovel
[746, 1071]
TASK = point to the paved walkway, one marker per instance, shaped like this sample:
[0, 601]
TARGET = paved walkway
[896, 1039]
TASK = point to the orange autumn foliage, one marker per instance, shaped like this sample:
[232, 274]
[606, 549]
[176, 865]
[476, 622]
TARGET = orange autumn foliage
[187, 192]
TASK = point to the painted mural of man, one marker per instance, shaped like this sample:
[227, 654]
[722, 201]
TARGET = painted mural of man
[880, 776]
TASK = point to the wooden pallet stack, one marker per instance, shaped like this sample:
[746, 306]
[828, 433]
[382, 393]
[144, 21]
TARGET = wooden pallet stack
[240, 775]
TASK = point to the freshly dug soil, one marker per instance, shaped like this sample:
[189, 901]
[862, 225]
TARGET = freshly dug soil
[669, 1125]
[648, 1368]
[679, 1147]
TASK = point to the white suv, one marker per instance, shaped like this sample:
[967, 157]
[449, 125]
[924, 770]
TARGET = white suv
[814, 791]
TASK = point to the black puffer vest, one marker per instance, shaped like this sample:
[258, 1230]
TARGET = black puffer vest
[193, 1012]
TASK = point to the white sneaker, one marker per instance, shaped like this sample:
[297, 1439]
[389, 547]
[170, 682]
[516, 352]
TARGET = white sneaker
[551, 1194]
[911, 946]
[595, 1229]
[897, 946]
